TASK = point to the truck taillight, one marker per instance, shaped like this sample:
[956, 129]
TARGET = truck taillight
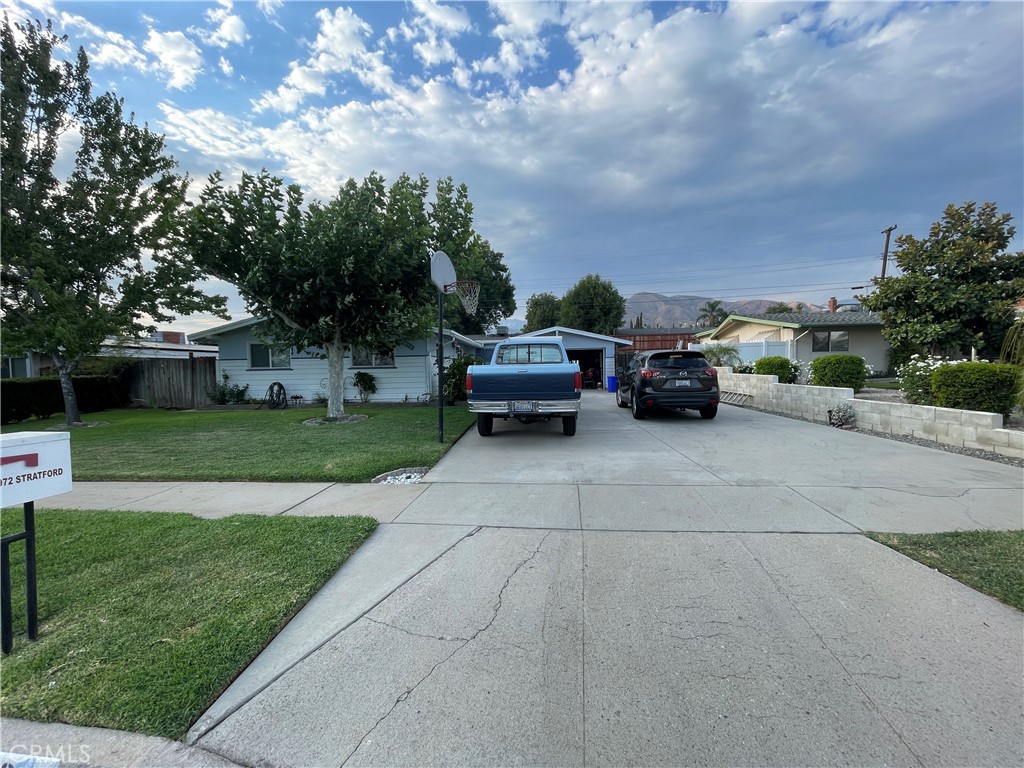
[578, 381]
[469, 383]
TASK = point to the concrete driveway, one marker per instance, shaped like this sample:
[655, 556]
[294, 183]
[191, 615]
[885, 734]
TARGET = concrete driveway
[663, 592]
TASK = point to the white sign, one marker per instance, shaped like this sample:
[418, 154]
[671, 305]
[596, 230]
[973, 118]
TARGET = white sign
[34, 465]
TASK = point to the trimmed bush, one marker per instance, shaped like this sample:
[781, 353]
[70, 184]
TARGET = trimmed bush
[916, 377]
[987, 387]
[455, 376]
[777, 366]
[22, 399]
[839, 371]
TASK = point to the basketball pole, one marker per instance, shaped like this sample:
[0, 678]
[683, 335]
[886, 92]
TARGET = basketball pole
[440, 366]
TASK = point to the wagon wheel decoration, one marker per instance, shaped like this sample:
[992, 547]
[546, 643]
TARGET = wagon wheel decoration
[276, 397]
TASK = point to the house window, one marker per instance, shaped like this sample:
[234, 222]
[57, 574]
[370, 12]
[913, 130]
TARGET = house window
[830, 341]
[262, 356]
[364, 358]
[14, 368]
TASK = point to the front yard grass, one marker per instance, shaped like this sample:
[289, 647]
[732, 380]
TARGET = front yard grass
[990, 561]
[144, 618]
[270, 445]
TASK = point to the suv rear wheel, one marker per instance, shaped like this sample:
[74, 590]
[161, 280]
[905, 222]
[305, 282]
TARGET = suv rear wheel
[638, 411]
[709, 411]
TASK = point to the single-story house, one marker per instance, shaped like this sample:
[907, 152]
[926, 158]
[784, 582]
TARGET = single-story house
[804, 336]
[405, 374]
[594, 351]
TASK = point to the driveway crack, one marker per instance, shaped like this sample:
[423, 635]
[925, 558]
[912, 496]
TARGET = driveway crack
[404, 696]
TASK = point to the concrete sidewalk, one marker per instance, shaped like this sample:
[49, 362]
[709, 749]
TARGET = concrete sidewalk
[664, 592]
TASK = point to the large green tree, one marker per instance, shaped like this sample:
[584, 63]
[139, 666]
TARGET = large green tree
[349, 273]
[451, 218]
[593, 305]
[94, 255]
[957, 285]
[543, 310]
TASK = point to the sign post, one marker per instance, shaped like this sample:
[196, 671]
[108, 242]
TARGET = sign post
[33, 465]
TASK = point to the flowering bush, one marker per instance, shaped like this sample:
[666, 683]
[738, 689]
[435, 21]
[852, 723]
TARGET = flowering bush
[743, 368]
[915, 377]
[841, 415]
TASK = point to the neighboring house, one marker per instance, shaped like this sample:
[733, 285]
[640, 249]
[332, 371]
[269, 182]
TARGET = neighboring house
[161, 345]
[593, 351]
[846, 328]
[405, 374]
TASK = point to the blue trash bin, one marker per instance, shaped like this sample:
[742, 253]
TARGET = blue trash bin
[613, 383]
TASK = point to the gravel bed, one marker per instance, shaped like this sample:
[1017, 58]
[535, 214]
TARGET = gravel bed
[978, 454]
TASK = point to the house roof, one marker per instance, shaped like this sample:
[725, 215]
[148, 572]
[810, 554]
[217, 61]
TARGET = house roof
[859, 318]
[213, 334]
[559, 330]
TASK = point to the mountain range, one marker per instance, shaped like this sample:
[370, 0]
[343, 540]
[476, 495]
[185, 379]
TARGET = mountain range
[673, 311]
[678, 311]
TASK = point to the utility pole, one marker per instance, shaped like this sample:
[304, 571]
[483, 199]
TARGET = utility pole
[885, 255]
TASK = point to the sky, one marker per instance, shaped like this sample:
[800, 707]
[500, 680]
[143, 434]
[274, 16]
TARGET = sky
[728, 150]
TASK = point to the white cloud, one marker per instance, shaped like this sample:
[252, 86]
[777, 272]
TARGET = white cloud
[225, 67]
[339, 47]
[229, 27]
[177, 56]
[107, 48]
[449, 19]
[214, 133]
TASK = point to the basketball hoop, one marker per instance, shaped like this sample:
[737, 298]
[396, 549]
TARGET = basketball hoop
[468, 292]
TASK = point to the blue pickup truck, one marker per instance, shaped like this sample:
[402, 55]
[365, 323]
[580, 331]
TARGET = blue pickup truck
[528, 379]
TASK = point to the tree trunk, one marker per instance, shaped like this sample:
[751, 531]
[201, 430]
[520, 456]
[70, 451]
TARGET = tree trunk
[335, 377]
[64, 369]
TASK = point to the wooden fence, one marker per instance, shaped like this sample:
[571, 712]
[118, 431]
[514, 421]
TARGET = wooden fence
[172, 383]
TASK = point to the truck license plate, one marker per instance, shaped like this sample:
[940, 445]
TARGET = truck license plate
[521, 406]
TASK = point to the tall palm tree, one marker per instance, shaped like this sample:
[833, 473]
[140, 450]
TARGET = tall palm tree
[712, 314]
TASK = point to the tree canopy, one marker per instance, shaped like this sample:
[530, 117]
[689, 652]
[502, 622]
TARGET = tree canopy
[349, 273]
[95, 255]
[781, 308]
[712, 314]
[543, 310]
[593, 305]
[957, 285]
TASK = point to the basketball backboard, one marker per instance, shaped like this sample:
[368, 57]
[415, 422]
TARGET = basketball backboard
[442, 272]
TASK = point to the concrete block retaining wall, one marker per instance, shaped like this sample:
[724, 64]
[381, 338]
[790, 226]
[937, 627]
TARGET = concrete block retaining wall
[966, 429]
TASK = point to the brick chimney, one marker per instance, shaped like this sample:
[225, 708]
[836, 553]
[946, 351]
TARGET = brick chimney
[833, 305]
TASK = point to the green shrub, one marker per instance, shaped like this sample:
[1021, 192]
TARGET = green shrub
[40, 398]
[988, 387]
[455, 376]
[228, 394]
[366, 383]
[839, 371]
[783, 367]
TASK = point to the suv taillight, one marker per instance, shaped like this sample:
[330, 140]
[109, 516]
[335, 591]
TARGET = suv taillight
[711, 372]
[648, 373]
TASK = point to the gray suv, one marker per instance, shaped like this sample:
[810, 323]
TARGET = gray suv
[668, 378]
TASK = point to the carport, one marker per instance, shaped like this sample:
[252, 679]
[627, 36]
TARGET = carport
[593, 351]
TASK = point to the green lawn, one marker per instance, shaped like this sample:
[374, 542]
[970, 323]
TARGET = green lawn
[990, 561]
[146, 444]
[146, 617]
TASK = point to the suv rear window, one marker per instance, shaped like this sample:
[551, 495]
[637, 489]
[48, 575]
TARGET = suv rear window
[677, 360]
[519, 354]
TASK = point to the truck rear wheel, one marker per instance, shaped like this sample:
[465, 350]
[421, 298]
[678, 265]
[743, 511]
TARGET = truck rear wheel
[569, 425]
[484, 424]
